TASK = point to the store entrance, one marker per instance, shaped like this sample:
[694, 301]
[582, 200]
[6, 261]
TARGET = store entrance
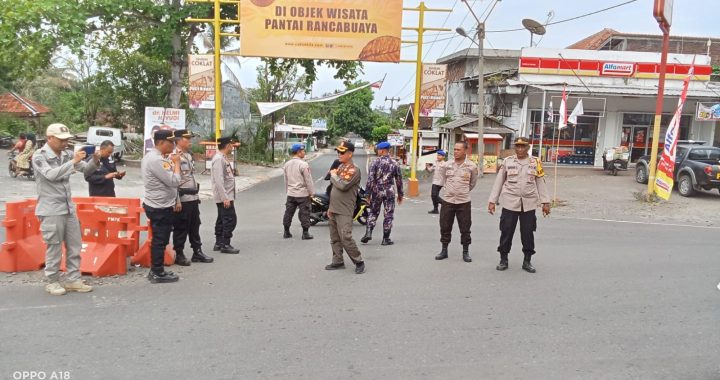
[635, 138]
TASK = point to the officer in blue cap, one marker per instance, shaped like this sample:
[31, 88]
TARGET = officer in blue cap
[383, 174]
[437, 182]
[300, 189]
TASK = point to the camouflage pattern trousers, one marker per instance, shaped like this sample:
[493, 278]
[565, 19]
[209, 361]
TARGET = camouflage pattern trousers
[387, 199]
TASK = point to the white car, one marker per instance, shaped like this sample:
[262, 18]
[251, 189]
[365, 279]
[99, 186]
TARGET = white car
[359, 144]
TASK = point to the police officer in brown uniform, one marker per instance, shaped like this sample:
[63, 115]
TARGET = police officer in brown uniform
[519, 188]
[300, 189]
[346, 182]
[458, 179]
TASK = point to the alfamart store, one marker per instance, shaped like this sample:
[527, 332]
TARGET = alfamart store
[618, 90]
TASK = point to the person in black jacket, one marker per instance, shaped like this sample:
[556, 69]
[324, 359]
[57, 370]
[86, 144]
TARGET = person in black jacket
[101, 182]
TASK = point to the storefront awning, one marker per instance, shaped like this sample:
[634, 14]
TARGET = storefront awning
[486, 136]
[615, 90]
[491, 125]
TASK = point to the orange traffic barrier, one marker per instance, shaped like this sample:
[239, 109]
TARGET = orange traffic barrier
[23, 249]
[143, 257]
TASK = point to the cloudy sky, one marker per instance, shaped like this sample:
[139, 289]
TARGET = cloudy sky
[690, 18]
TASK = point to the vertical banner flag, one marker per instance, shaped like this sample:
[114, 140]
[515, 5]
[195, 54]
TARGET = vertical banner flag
[351, 30]
[201, 93]
[432, 90]
[157, 118]
[562, 121]
[577, 111]
[664, 177]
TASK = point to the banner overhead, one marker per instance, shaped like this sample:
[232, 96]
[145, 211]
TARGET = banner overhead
[201, 93]
[350, 30]
[432, 90]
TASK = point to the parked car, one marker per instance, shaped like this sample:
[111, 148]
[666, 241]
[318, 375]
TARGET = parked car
[697, 166]
[96, 135]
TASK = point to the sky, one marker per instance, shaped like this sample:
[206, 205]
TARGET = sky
[690, 18]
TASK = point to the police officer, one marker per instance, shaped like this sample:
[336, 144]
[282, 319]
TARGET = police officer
[519, 187]
[187, 217]
[161, 171]
[346, 182]
[300, 189]
[384, 173]
[53, 165]
[458, 179]
[437, 180]
[223, 184]
[101, 183]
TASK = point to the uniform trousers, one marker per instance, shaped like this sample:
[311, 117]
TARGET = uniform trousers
[386, 199]
[302, 204]
[435, 195]
[56, 230]
[341, 238]
[508, 223]
[187, 224]
[161, 222]
[225, 223]
[448, 213]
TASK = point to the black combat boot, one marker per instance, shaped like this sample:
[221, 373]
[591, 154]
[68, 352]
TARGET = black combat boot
[287, 234]
[162, 277]
[335, 266]
[181, 260]
[526, 264]
[218, 244]
[199, 257]
[443, 253]
[227, 248]
[360, 267]
[434, 211]
[368, 235]
[386, 238]
[306, 234]
[503, 262]
[466, 254]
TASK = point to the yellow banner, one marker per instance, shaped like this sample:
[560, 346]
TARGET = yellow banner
[663, 185]
[350, 30]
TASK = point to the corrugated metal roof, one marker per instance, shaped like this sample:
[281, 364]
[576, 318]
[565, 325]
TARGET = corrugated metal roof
[491, 125]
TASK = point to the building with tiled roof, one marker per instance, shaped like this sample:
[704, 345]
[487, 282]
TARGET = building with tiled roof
[15, 105]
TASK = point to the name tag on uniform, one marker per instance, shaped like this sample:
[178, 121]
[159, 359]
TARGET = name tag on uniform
[513, 171]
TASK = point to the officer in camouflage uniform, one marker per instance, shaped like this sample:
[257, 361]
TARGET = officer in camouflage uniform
[383, 175]
[346, 181]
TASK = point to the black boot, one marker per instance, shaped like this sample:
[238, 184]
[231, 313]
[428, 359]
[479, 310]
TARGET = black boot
[368, 235]
[526, 264]
[199, 257]
[360, 267]
[503, 262]
[443, 253]
[434, 211]
[218, 244]
[181, 260]
[466, 254]
[386, 238]
[227, 248]
[306, 234]
[287, 234]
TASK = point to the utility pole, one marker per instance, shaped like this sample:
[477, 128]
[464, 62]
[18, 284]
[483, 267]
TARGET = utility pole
[413, 185]
[392, 103]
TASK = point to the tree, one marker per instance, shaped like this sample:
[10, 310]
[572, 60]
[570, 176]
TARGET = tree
[353, 114]
[380, 133]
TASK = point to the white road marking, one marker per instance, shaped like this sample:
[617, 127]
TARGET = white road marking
[637, 222]
[36, 307]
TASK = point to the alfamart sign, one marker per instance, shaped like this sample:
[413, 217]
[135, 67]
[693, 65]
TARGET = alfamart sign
[618, 69]
[354, 30]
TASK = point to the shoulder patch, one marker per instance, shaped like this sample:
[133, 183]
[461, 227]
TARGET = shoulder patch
[166, 165]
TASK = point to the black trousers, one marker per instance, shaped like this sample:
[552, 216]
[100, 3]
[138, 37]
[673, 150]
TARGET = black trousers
[528, 225]
[303, 206]
[225, 223]
[161, 222]
[187, 223]
[448, 213]
[435, 195]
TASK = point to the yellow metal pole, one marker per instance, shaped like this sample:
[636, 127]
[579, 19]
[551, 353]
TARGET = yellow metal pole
[413, 185]
[218, 73]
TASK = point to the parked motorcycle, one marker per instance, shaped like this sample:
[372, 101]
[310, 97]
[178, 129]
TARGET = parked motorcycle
[615, 160]
[13, 169]
[6, 142]
[321, 203]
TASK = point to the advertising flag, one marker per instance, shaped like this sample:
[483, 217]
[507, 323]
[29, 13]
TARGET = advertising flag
[350, 30]
[664, 177]
[562, 121]
[577, 111]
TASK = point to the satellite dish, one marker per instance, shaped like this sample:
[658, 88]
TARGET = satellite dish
[534, 28]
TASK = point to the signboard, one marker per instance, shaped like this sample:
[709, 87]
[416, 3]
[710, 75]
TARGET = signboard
[201, 93]
[708, 112]
[210, 150]
[157, 118]
[622, 69]
[432, 90]
[351, 30]
[319, 125]
[395, 139]
[662, 11]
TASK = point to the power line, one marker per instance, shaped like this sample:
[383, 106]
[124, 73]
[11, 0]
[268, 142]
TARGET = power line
[567, 19]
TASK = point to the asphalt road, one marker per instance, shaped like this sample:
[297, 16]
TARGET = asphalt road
[609, 301]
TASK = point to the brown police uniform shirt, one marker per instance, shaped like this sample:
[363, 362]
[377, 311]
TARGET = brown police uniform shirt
[298, 179]
[457, 181]
[346, 182]
[520, 185]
